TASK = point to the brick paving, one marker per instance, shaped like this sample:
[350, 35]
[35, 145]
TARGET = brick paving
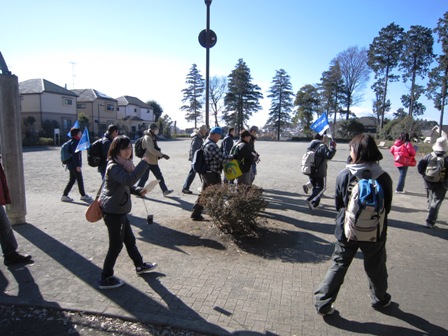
[209, 283]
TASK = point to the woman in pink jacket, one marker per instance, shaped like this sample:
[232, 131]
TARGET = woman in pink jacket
[404, 156]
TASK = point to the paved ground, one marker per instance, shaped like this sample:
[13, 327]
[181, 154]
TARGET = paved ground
[208, 283]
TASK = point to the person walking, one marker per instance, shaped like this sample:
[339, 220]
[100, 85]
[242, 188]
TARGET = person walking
[111, 133]
[153, 153]
[215, 159]
[227, 145]
[115, 202]
[8, 241]
[404, 156]
[253, 136]
[74, 167]
[365, 160]
[435, 191]
[242, 152]
[196, 143]
[319, 176]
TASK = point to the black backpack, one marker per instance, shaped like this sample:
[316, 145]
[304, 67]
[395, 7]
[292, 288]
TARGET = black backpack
[198, 162]
[94, 153]
[139, 151]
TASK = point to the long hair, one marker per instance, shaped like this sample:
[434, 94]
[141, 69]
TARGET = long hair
[365, 149]
[120, 142]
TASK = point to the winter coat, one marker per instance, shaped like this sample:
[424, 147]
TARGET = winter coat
[152, 152]
[322, 155]
[242, 152]
[76, 160]
[196, 143]
[421, 167]
[345, 178]
[404, 149]
[227, 144]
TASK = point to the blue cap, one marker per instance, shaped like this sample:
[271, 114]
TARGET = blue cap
[216, 130]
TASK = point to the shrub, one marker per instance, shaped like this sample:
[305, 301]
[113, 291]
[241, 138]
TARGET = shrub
[234, 208]
[45, 142]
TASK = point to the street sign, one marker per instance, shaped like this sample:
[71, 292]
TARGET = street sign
[211, 38]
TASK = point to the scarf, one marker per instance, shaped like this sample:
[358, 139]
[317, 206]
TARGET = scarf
[128, 165]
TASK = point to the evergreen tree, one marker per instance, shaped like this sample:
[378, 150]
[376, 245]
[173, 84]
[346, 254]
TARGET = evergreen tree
[380, 106]
[418, 109]
[383, 56]
[437, 88]
[192, 96]
[355, 74]
[242, 97]
[416, 58]
[281, 101]
[156, 109]
[307, 101]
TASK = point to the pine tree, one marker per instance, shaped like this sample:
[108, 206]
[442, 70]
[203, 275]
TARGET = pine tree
[192, 96]
[242, 97]
[384, 56]
[281, 101]
[307, 100]
[156, 108]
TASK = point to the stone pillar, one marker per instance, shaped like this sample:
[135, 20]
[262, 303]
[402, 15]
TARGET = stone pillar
[11, 146]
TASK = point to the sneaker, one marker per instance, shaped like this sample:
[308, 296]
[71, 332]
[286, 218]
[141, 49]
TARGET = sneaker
[310, 205]
[197, 218]
[110, 282]
[66, 199]
[330, 312]
[382, 304]
[16, 258]
[86, 198]
[146, 267]
[400, 192]
[305, 189]
[186, 191]
[430, 226]
[167, 192]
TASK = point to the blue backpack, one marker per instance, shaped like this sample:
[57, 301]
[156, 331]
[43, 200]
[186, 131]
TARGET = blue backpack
[66, 156]
[365, 212]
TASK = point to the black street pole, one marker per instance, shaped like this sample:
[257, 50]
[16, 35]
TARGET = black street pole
[207, 63]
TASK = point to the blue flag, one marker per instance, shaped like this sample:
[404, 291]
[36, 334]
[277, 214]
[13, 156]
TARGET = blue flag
[84, 142]
[76, 125]
[321, 124]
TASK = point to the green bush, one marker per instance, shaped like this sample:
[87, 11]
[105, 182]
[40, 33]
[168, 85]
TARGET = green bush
[45, 142]
[234, 208]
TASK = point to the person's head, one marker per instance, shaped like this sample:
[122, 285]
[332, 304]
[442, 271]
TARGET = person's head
[231, 131]
[363, 149]
[253, 130]
[121, 146]
[112, 131]
[154, 128]
[440, 145]
[317, 136]
[245, 136]
[203, 130]
[75, 133]
[215, 134]
[404, 137]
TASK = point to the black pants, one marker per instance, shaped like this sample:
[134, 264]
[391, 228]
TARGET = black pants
[120, 232]
[208, 179]
[75, 176]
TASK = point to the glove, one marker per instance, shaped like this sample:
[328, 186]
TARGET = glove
[333, 144]
[166, 157]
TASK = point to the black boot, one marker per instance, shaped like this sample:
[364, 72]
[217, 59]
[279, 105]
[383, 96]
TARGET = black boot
[16, 258]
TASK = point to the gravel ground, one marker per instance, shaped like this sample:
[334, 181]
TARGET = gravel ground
[33, 321]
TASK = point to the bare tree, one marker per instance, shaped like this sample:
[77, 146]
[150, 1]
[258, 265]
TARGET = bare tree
[355, 74]
[218, 89]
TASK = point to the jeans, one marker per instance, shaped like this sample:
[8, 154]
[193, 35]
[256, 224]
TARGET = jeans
[75, 176]
[189, 180]
[319, 187]
[374, 265]
[401, 180]
[120, 232]
[155, 169]
[434, 198]
[7, 239]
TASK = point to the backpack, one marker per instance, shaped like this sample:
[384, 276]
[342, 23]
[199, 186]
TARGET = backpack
[139, 151]
[435, 170]
[198, 162]
[365, 212]
[308, 166]
[94, 153]
[66, 156]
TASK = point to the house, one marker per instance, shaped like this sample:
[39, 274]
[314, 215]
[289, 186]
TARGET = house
[434, 133]
[100, 109]
[46, 101]
[370, 124]
[134, 115]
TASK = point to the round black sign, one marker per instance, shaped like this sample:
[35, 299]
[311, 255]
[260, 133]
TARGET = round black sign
[211, 38]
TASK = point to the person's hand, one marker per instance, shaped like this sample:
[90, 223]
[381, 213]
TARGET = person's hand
[333, 144]
[166, 157]
[143, 192]
[78, 169]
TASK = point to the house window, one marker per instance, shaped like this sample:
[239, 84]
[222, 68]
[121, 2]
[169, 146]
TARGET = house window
[67, 124]
[135, 110]
[81, 106]
[67, 101]
[109, 107]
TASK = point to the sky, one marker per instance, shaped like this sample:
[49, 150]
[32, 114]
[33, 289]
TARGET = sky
[145, 48]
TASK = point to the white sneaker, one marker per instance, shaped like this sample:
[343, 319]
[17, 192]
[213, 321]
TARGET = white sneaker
[66, 199]
[167, 192]
[86, 198]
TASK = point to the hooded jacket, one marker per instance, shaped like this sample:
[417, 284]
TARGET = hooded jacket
[404, 149]
[348, 177]
[323, 154]
[421, 167]
[152, 152]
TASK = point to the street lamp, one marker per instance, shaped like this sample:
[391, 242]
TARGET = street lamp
[98, 120]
